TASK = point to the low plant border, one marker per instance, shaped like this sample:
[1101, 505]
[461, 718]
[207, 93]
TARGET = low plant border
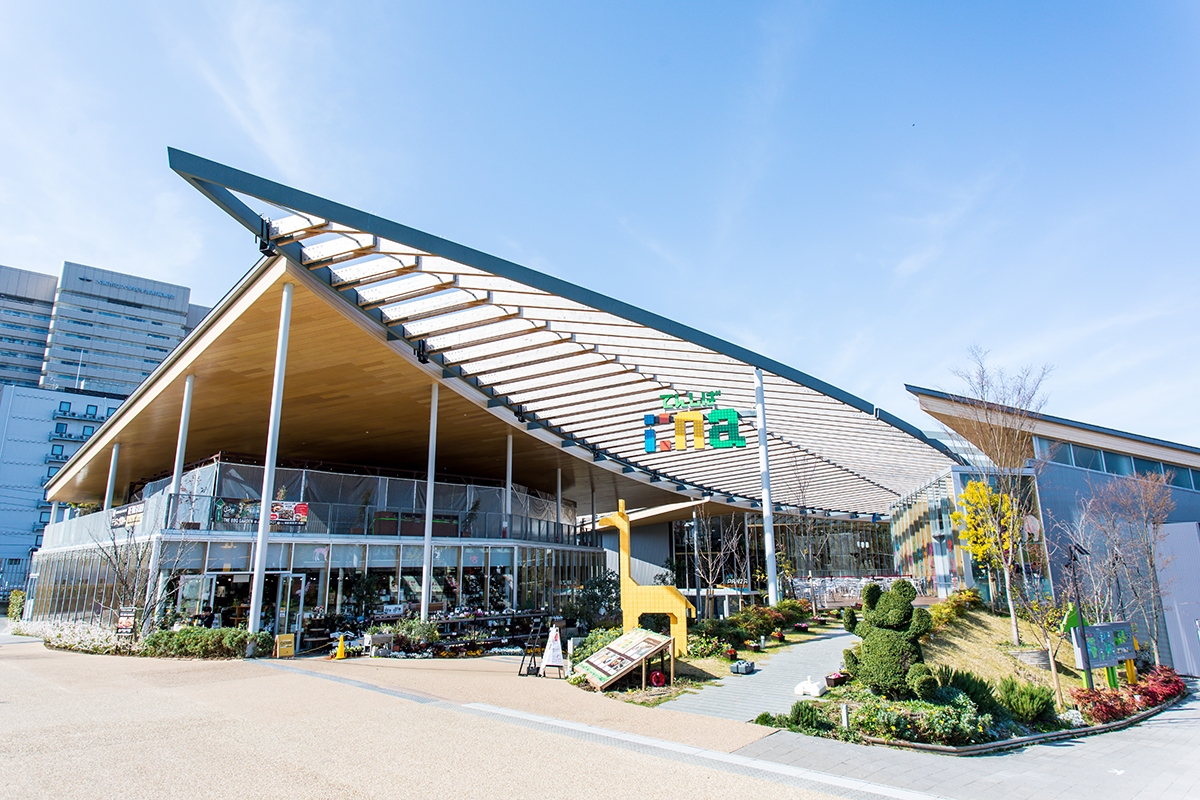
[1024, 741]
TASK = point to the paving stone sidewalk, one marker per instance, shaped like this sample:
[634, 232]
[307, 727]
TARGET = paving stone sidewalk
[1158, 758]
[772, 686]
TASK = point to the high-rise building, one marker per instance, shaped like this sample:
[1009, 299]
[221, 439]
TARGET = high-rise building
[70, 350]
[26, 302]
[109, 330]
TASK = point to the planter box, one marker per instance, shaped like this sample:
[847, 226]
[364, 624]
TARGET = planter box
[836, 680]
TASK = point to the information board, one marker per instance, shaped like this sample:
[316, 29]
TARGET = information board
[1108, 645]
[621, 655]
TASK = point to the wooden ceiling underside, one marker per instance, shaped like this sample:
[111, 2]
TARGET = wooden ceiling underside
[349, 397]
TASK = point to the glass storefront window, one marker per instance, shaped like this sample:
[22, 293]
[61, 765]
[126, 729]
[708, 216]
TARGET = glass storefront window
[228, 556]
[474, 577]
[445, 581]
[500, 578]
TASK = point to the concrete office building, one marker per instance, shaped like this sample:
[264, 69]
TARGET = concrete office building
[26, 305]
[41, 430]
[108, 330]
[70, 351]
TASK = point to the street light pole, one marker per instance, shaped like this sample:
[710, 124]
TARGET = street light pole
[1083, 649]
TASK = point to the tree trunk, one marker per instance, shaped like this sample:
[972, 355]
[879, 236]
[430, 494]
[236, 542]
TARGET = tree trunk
[1053, 669]
[1012, 609]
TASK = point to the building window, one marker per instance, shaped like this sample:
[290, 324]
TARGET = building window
[1058, 452]
[60, 428]
[91, 411]
[1180, 476]
[1087, 458]
[44, 516]
[1145, 466]
[1118, 463]
[88, 430]
[65, 406]
[56, 449]
[50, 472]
[111, 409]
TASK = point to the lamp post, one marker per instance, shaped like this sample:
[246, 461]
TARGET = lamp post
[1083, 649]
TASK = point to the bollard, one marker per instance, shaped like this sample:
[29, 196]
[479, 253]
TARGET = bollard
[845, 716]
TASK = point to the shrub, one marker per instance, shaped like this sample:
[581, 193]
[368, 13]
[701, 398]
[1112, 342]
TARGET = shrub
[724, 630]
[980, 690]
[701, 646]
[765, 718]
[957, 722]
[1100, 706]
[208, 643]
[891, 629]
[16, 604]
[793, 611]
[659, 623]
[757, 621]
[1026, 702]
[806, 715]
[954, 607]
[921, 681]
[594, 641]
[413, 635]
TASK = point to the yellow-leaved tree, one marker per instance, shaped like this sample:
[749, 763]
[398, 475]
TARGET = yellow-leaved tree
[990, 528]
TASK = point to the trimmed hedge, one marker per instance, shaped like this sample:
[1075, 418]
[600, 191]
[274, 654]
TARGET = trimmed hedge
[16, 604]
[208, 643]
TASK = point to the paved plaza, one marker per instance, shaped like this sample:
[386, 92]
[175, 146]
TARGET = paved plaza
[73, 725]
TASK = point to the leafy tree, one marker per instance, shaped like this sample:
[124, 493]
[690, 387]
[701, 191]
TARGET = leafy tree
[997, 416]
[990, 529]
[600, 598]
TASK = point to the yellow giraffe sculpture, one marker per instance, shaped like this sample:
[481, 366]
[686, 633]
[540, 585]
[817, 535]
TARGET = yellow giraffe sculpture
[637, 599]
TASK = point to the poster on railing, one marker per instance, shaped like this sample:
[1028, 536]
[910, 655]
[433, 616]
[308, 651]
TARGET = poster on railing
[245, 512]
[621, 655]
[283, 513]
[126, 515]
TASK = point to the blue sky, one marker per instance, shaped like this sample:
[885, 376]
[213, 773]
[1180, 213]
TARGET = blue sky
[859, 190]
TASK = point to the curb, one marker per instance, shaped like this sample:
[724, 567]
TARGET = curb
[1024, 741]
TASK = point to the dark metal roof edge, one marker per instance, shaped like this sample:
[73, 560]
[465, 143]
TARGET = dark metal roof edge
[203, 174]
[1070, 423]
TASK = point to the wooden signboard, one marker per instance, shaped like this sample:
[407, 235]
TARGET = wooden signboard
[628, 652]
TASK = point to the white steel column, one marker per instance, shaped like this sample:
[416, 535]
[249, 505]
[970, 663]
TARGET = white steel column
[253, 623]
[152, 584]
[764, 468]
[427, 558]
[112, 476]
[54, 512]
[507, 523]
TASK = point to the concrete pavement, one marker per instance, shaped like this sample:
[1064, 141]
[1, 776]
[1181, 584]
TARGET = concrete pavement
[73, 725]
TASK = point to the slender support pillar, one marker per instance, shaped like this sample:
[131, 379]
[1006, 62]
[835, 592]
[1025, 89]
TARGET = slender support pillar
[112, 476]
[54, 512]
[153, 579]
[185, 416]
[508, 489]
[427, 558]
[764, 468]
[253, 623]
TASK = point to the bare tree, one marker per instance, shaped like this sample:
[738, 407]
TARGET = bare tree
[718, 549]
[1130, 511]
[128, 560]
[998, 417]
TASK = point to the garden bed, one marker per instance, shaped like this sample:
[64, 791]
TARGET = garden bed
[1025, 741]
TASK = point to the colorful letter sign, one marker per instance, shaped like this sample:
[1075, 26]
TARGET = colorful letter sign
[690, 416]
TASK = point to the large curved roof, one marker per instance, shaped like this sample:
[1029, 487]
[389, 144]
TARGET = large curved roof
[575, 366]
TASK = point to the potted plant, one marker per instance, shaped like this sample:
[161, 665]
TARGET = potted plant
[731, 653]
[801, 627]
[836, 679]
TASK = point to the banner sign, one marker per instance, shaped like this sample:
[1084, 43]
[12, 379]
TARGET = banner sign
[620, 656]
[1108, 645]
[552, 655]
[127, 515]
[245, 512]
[714, 427]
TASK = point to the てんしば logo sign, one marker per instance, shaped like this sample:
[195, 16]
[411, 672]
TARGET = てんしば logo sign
[708, 425]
